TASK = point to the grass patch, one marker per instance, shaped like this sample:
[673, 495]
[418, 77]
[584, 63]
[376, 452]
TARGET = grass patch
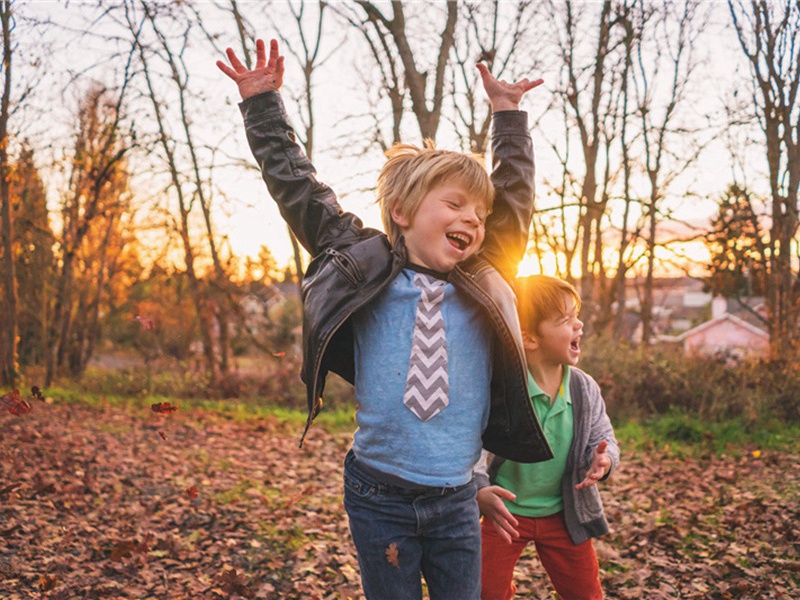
[334, 420]
[677, 435]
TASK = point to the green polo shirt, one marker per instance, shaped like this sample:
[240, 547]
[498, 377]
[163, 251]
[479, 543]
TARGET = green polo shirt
[538, 485]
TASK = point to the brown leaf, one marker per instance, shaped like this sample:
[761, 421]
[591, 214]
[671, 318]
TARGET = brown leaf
[163, 408]
[163, 435]
[47, 582]
[233, 582]
[192, 493]
[392, 555]
[15, 404]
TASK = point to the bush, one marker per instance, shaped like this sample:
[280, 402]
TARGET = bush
[638, 383]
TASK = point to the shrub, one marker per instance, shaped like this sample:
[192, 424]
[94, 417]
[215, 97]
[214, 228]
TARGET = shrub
[638, 383]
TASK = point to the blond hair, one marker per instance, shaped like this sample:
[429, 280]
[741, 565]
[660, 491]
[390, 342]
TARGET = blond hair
[541, 297]
[411, 172]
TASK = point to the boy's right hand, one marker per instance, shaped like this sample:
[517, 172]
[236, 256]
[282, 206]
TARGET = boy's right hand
[490, 501]
[267, 76]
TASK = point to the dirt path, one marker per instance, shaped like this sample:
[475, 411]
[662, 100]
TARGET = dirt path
[124, 503]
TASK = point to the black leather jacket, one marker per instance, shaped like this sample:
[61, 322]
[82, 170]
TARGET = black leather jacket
[352, 264]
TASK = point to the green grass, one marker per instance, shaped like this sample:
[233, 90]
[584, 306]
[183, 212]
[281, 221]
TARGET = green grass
[335, 420]
[677, 434]
[673, 434]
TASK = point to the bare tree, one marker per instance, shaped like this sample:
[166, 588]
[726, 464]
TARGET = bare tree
[306, 51]
[8, 281]
[671, 43]
[500, 35]
[588, 89]
[769, 36]
[398, 59]
[186, 192]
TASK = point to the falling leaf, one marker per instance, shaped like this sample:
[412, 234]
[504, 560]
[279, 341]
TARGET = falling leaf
[163, 408]
[146, 323]
[15, 404]
[163, 435]
[192, 493]
[392, 555]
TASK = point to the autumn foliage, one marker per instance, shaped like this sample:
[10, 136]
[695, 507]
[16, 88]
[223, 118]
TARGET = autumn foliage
[95, 503]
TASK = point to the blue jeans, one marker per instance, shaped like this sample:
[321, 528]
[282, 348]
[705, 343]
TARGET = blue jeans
[401, 532]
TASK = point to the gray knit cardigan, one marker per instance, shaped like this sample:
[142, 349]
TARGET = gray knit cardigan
[583, 509]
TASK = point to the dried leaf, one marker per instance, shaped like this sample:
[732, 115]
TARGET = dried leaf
[162, 434]
[192, 493]
[232, 582]
[15, 404]
[47, 582]
[392, 555]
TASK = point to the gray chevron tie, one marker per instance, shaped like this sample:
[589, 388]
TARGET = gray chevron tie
[427, 385]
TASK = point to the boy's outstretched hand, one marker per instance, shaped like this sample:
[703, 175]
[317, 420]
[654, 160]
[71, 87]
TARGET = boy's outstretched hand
[504, 95]
[600, 466]
[491, 504]
[267, 76]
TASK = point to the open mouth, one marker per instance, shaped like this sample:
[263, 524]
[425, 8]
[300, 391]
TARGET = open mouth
[575, 345]
[459, 241]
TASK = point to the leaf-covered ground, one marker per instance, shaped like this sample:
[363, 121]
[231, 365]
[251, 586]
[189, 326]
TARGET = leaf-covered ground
[127, 503]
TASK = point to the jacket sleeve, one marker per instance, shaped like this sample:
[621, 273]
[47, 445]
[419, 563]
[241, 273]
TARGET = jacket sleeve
[512, 175]
[308, 206]
[600, 429]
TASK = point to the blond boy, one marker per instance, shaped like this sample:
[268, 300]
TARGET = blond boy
[422, 320]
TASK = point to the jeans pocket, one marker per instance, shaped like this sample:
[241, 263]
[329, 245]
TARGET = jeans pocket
[358, 487]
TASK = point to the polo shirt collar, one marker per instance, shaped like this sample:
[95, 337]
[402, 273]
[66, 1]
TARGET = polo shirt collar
[534, 390]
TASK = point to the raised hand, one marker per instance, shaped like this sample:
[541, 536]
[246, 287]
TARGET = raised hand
[491, 505]
[504, 95]
[266, 76]
[600, 466]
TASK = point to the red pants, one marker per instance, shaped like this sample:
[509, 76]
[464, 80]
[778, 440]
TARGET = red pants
[573, 570]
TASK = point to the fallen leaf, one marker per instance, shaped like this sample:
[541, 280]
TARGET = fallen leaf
[163, 435]
[192, 493]
[47, 582]
[392, 555]
[279, 354]
[756, 453]
[15, 404]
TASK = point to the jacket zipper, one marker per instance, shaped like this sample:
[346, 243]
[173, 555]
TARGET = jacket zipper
[346, 266]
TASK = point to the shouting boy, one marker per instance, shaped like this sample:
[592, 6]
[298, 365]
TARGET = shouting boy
[423, 322]
[554, 504]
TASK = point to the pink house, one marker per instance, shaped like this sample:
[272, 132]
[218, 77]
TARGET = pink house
[726, 334]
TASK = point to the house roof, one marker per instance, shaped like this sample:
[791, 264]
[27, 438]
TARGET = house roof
[726, 317]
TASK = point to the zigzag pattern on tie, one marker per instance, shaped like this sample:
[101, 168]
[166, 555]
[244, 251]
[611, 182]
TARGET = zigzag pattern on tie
[427, 385]
[429, 360]
[427, 382]
[426, 408]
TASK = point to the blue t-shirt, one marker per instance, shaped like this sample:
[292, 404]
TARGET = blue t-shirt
[390, 438]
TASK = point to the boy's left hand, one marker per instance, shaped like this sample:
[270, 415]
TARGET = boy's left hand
[600, 466]
[504, 95]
